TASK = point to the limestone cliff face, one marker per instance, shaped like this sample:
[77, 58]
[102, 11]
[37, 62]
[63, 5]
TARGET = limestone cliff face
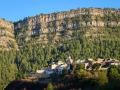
[44, 25]
[7, 40]
[57, 26]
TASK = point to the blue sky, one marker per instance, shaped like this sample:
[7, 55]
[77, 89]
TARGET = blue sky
[18, 9]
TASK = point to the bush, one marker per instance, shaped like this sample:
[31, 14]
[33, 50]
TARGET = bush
[50, 87]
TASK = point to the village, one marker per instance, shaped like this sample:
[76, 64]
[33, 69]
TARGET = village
[60, 66]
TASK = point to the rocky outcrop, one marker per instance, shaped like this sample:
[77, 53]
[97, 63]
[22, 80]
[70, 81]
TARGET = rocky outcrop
[7, 39]
[44, 24]
[57, 26]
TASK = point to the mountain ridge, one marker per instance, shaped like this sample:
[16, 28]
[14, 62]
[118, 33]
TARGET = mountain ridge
[55, 27]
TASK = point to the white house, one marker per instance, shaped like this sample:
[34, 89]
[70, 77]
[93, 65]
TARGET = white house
[86, 64]
[53, 66]
[60, 62]
[69, 60]
[79, 61]
[40, 71]
[90, 59]
[115, 63]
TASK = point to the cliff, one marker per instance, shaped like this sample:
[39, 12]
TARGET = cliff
[7, 39]
[58, 26]
[53, 26]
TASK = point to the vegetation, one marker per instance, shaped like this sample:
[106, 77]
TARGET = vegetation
[86, 42]
[50, 86]
[8, 69]
[82, 80]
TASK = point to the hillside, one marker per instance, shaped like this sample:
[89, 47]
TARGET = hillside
[59, 26]
[56, 27]
[7, 39]
[29, 44]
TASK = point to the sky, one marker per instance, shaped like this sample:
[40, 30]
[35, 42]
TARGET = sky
[14, 10]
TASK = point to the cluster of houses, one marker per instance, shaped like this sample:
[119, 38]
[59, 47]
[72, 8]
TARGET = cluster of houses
[54, 68]
[102, 64]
